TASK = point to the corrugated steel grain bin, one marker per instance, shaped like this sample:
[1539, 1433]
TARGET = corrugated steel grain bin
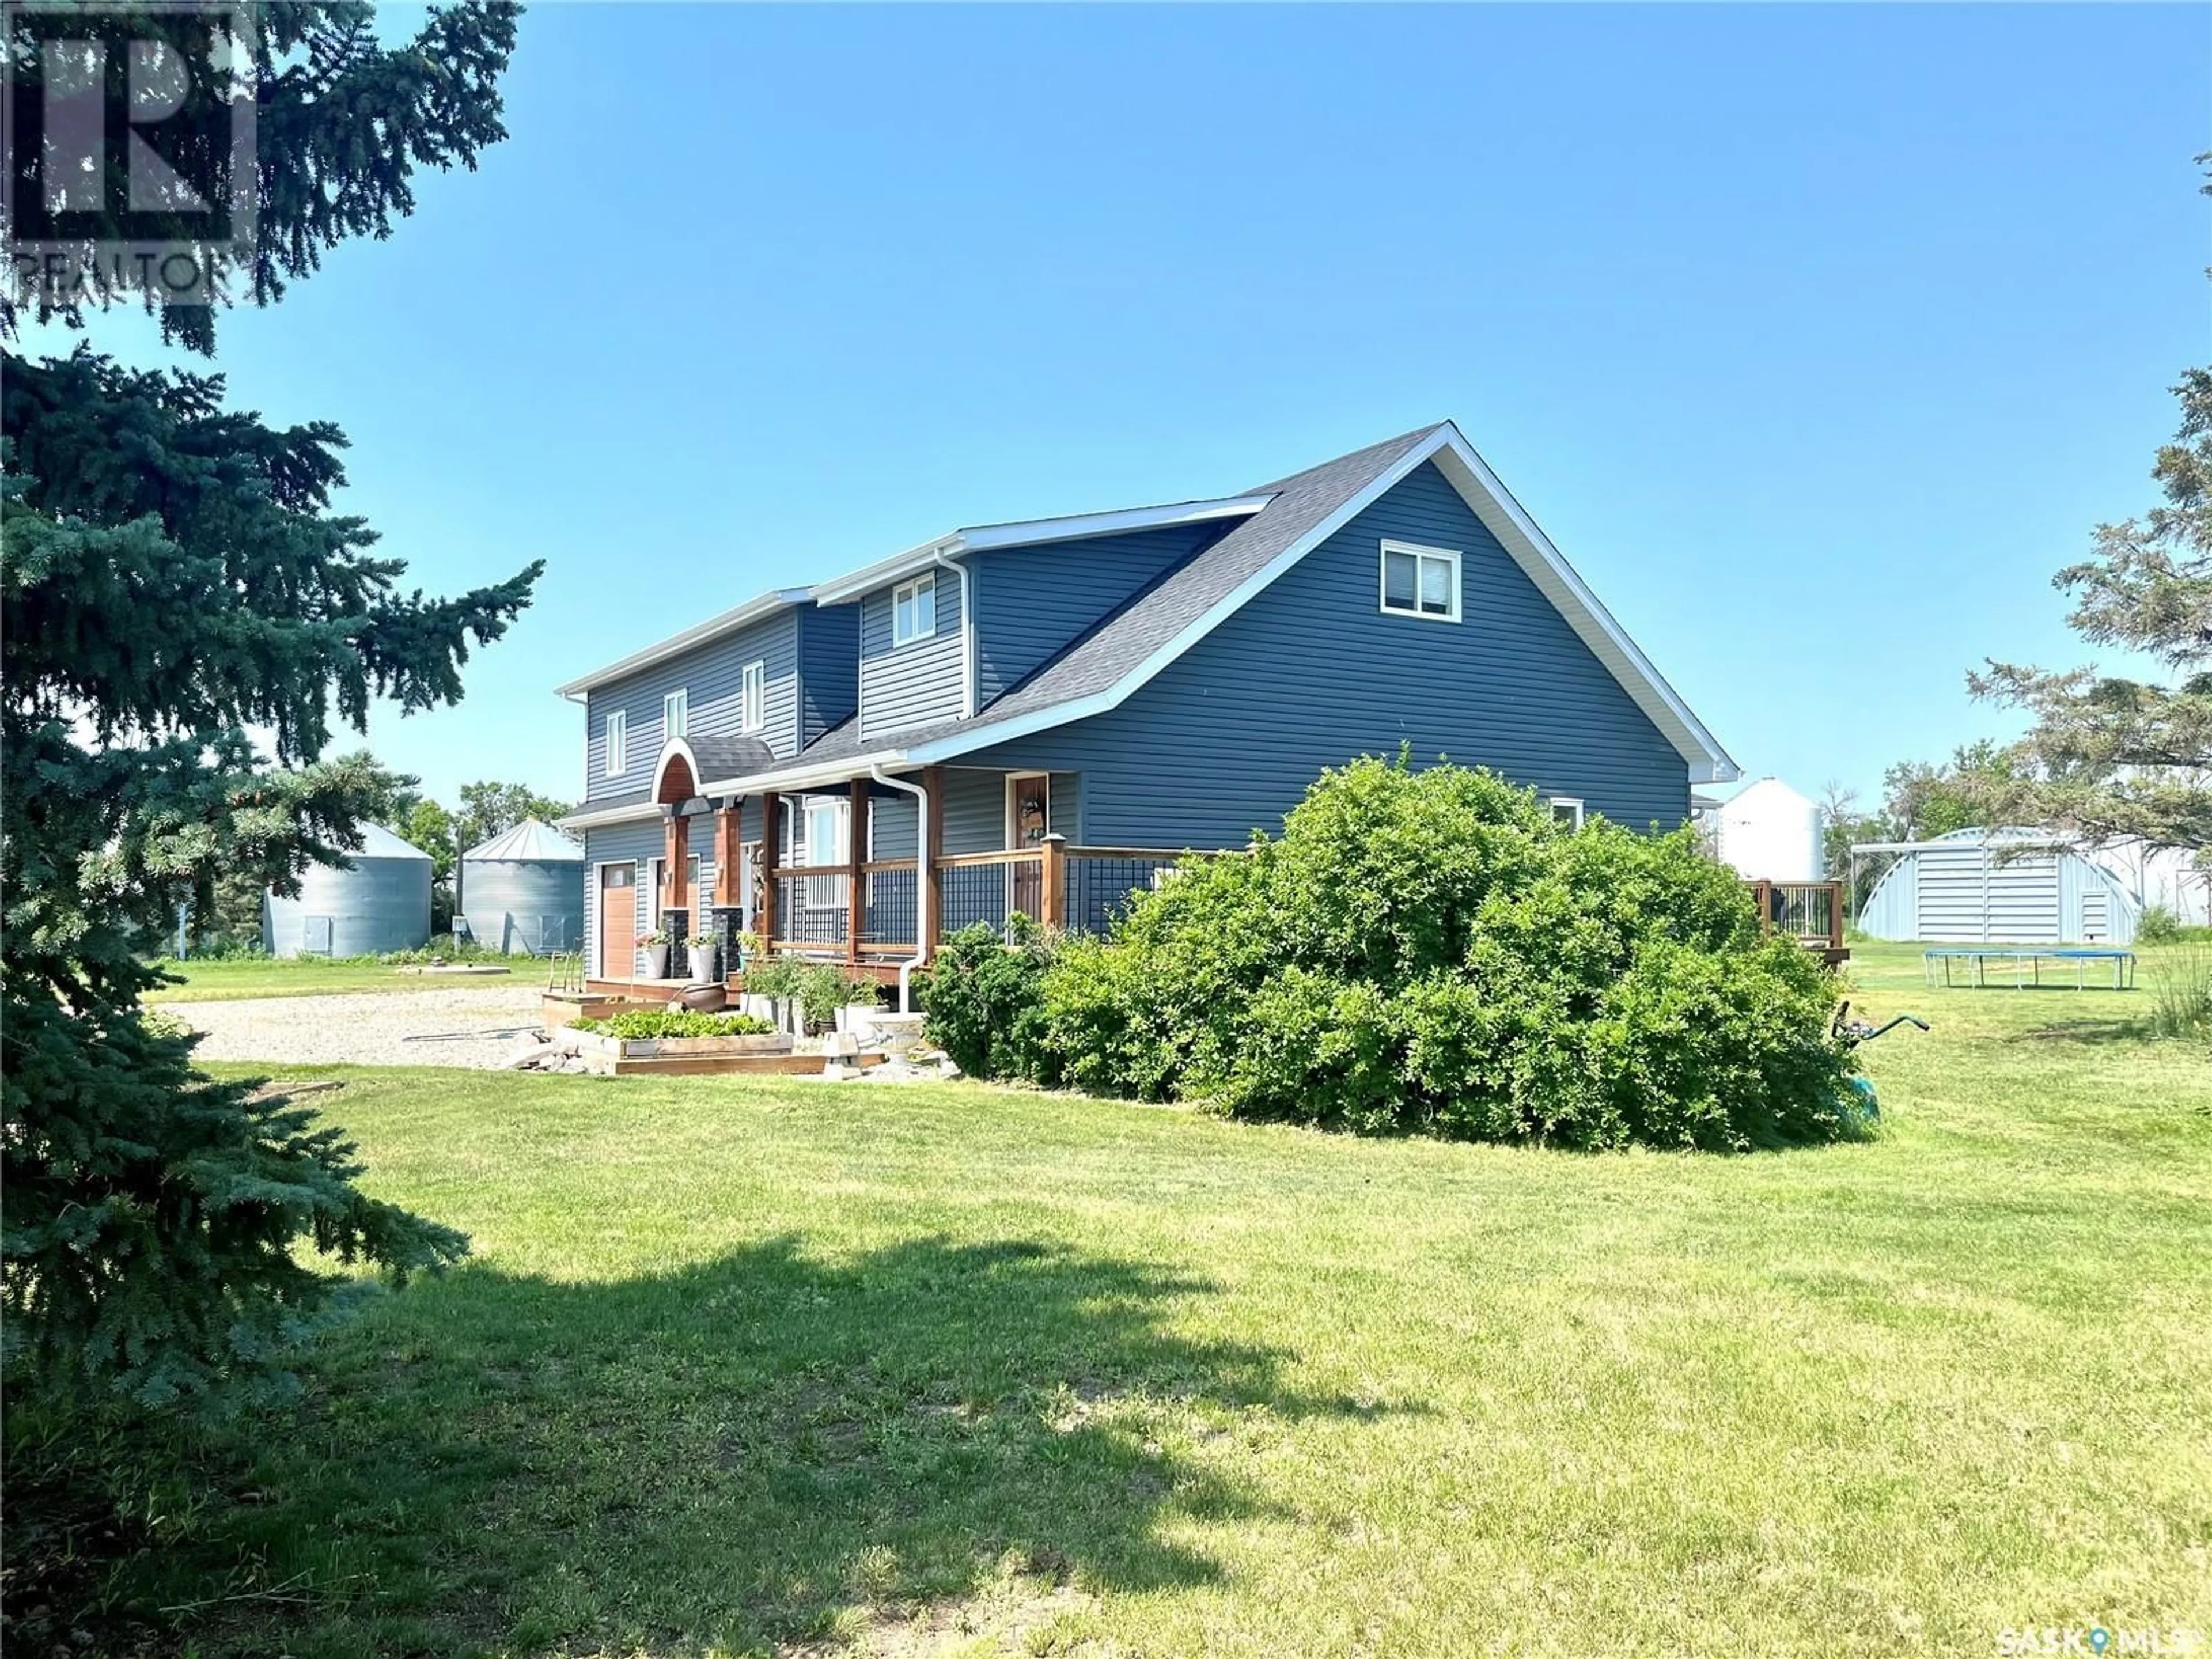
[522, 891]
[378, 901]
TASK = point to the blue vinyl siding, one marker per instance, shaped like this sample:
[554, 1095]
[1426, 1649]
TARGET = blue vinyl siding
[829, 668]
[974, 810]
[1032, 603]
[909, 685]
[1310, 672]
[713, 675]
[893, 818]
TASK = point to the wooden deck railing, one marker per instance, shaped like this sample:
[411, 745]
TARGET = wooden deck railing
[870, 912]
[1810, 912]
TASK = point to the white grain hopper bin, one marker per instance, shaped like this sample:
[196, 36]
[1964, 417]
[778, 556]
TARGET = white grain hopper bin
[1769, 832]
[378, 900]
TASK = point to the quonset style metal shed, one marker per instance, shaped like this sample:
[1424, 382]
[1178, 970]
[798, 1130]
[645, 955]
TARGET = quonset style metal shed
[379, 900]
[2009, 886]
[522, 891]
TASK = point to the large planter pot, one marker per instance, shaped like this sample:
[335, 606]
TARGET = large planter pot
[656, 962]
[706, 999]
[702, 965]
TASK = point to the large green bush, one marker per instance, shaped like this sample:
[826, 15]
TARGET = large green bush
[1427, 952]
[983, 993]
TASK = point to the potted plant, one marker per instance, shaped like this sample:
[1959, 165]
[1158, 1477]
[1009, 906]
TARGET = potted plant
[703, 949]
[749, 946]
[656, 953]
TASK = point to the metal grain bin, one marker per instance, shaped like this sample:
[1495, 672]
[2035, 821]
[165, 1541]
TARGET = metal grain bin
[379, 900]
[522, 891]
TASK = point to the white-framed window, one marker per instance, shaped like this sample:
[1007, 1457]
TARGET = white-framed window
[1566, 810]
[1420, 582]
[676, 714]
[823, 823]
[753, 697]
[617, 742]
[913, 610]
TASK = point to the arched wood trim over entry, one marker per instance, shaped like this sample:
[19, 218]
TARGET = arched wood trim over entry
[676, 779]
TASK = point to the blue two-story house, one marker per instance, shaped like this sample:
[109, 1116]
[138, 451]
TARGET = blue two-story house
[1039, 715]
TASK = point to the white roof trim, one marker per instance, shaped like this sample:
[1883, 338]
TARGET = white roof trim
[676, 644]
[787, 779]
[636, 812]
[1505, 518]
[1033, 532]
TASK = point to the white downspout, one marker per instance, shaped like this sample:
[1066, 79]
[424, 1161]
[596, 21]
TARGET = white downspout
[967, 635]
[920, 882]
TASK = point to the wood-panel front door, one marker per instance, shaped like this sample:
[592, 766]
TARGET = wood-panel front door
[618, 921]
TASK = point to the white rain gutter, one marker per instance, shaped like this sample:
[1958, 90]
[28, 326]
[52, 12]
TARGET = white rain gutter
[920, 882]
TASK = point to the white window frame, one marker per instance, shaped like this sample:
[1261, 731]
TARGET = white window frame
[910, 592]
[675, 713]
[753, 697]
[1417, 552]
[617, 742]
[1555, 802]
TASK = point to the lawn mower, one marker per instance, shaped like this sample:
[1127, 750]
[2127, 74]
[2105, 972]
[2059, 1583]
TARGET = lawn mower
[1852, 1032]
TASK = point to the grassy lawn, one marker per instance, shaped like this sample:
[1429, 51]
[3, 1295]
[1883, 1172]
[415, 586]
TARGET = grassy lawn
[228, 980]
[784, 1367]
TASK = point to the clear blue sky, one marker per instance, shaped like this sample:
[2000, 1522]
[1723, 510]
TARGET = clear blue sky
[1817, 338]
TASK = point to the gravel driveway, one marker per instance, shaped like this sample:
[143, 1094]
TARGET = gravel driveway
[474, 1026]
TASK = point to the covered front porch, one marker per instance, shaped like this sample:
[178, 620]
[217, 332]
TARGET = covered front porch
[874, 869]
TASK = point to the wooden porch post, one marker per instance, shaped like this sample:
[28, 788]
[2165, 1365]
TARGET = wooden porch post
[1052, 900]
[932, 784]
[675, 895]
[771, 846]
[856, 854]
[729, 839]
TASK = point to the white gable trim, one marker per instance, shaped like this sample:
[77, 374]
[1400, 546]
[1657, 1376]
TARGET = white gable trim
[1505, 518]
[676, 644]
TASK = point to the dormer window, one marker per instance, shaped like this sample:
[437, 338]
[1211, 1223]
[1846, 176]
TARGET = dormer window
[913, 610]
[1420, 582]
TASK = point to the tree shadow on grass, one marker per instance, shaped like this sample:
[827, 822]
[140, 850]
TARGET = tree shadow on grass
[751, 1453]
[2087, 1031]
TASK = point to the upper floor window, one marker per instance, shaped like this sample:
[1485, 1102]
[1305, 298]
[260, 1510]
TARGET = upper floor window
[753, 698]
[913, 610]
[618, 743]
[1420, 582]
[676, 714]
[1566, 810]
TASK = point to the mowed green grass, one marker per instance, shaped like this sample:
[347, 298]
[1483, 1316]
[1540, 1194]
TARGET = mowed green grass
[233, 978]
[786, 1368]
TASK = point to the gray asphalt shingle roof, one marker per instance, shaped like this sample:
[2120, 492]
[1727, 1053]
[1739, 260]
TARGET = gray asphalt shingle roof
[1102, 659]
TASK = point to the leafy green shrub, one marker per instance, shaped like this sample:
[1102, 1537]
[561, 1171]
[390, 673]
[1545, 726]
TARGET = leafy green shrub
[1427, 952]
[2157, 926]
[817, 990]
[984, 997]
[640, 1023]
[2181, 994]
